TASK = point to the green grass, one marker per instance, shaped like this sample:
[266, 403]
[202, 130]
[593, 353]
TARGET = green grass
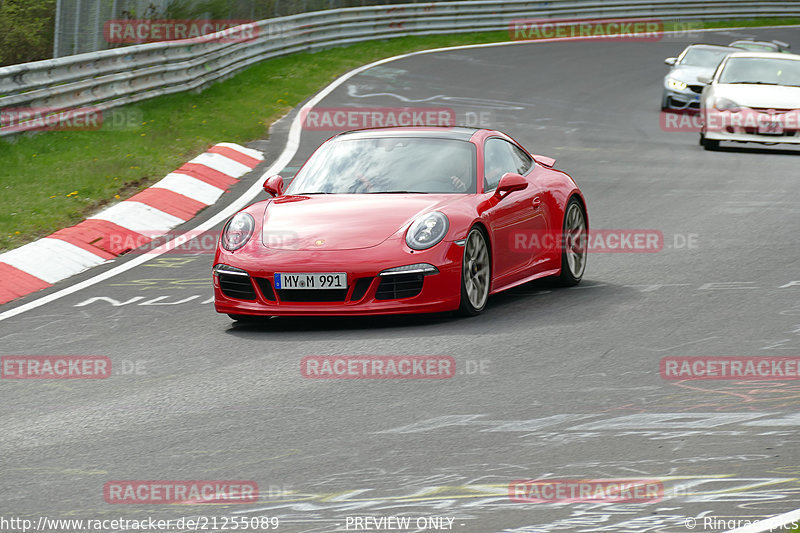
[752, 22]
[55, 179]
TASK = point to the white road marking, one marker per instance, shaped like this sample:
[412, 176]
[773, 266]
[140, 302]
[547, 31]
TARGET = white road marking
[190, 187]
[37, 259]
[139, 217]
[255, 154]
[222, 164]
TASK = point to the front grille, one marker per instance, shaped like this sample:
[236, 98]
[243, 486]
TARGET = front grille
[235, 286]
[266, 288]
[312, 295]
[696, 88]
[399, 286]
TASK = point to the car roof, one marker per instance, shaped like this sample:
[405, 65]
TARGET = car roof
[767, 55]
[752, 41]
[441, 132]
[707, 45]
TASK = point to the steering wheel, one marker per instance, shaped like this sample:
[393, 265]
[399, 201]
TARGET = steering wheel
[447, 184]
[362, 184]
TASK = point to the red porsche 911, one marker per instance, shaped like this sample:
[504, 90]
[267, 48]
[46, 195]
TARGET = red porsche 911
[402, 220]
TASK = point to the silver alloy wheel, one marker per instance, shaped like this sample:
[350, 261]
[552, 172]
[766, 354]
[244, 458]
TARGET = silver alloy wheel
[575, 240]
[475, 269]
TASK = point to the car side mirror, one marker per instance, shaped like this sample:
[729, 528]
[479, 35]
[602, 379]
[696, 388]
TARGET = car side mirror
[274, 185]
[511, 182]
[671, 61]
[705, 80]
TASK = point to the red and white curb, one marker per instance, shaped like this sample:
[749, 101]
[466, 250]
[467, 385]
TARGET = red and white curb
[153, 212]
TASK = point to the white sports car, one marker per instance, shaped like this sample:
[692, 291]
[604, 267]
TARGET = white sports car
[752, 97]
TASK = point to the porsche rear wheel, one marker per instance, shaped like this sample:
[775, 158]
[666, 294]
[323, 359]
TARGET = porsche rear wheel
[574, 245]
[476, 274]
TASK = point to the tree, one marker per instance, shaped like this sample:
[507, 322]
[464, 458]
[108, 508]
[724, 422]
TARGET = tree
[26, 30]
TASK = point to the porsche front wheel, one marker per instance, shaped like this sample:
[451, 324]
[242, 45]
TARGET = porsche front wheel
[575, 244]
[476, 274]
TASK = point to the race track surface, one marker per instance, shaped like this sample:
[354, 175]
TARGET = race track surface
[551, 382]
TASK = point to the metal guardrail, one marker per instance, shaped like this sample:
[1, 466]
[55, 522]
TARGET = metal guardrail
[80, 24]
[106, 79]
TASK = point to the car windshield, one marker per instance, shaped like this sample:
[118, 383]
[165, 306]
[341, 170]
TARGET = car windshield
[388, 165]
[703, 57]
[761, 70]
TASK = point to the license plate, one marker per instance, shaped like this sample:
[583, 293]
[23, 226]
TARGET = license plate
[773, 127]
[324, 280]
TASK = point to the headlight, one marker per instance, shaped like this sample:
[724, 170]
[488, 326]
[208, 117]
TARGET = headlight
[675, 85]
[724, 104]
[427, 230]
[237, 231]
[227, 269]
[416, 268]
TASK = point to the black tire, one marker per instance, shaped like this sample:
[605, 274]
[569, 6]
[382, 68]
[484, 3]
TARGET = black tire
[574, 242]
[476, 274]
[708, 144]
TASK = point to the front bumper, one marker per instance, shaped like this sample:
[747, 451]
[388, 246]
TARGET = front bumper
[685, 99]
[367, 293]
[746, 127]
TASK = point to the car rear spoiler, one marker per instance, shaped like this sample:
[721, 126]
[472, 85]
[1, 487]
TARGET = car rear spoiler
[782, 44]
[544, 160]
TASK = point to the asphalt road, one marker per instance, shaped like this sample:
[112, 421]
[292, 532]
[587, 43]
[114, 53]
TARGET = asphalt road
[556, 383]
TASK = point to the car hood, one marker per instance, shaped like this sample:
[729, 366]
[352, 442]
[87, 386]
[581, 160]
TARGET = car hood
[764, 96]
[343, 221]
[689, 74]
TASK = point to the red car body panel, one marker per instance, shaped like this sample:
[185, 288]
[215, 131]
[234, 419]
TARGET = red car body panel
[363, 235]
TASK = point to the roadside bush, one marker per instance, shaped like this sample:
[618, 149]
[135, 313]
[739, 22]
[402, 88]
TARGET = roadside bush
[26, 30]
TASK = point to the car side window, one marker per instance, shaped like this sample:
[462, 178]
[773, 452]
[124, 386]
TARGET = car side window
[524, 161]
[499, 157]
